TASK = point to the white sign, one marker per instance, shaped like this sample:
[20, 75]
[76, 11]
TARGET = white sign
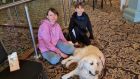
[13, 61]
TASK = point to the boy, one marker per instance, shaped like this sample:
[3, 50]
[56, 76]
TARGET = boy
[80, 26]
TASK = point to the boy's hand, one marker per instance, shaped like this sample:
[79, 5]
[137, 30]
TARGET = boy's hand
[70, 42]
[91, 37]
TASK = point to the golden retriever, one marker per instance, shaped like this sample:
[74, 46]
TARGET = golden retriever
[90, 63]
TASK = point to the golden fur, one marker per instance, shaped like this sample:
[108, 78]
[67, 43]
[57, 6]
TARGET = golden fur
[90, 63]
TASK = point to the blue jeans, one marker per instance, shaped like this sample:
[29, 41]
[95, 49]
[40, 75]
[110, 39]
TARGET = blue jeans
[54, 58]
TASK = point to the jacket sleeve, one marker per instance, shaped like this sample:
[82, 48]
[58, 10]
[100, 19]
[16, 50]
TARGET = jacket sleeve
[61, 35]
[71, 26]
[89, 27]
[45, 36]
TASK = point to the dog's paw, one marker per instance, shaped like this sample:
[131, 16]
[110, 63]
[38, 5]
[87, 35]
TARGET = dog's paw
[67, 65]
[63, 62]
[64, 77]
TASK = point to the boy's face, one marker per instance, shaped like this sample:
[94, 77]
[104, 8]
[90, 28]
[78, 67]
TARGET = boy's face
[79, 10]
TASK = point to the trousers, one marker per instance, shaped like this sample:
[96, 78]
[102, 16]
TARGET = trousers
[54, 58]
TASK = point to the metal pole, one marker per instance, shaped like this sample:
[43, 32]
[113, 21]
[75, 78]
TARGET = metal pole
[94, 4]
[102, 3]
[10, 16]
[31, 30]
[17, 16]
[70, 1]
[64, 11]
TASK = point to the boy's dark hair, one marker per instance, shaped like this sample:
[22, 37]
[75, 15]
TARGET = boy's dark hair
[52, 10]
[79, 4]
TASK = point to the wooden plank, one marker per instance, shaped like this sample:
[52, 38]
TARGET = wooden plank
[26, 53]
[17, 26]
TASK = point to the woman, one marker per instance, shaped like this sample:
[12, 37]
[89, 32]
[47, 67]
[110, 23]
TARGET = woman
[52, 43]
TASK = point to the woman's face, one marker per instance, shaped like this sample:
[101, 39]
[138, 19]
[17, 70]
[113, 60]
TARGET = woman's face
[79, 10]
[52, 17]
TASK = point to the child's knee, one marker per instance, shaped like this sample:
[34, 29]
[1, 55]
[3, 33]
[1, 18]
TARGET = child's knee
[54, 60]
[70, 50]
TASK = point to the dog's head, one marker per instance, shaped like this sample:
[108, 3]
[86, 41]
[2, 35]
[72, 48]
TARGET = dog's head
[91, 64]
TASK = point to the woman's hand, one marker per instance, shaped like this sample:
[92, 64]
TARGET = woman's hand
[62, 54]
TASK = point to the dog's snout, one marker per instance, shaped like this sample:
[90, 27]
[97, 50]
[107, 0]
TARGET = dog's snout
[96, 72]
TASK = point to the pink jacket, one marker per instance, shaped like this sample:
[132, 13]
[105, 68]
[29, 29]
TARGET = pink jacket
[48, 36]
